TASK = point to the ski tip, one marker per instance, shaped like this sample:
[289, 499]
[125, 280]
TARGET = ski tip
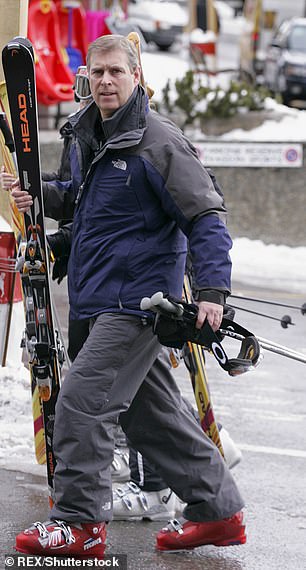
[18, 44]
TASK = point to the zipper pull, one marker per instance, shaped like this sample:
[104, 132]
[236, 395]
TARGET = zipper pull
[79, 194]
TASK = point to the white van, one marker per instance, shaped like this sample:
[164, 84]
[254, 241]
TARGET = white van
[261, 18]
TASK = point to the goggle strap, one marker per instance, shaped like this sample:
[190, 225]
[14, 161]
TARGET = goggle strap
[249, 352]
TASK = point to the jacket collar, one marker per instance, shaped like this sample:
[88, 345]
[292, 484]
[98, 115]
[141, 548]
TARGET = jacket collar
[131, 117]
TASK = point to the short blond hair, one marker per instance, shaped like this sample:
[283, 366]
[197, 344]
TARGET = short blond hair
[113, 42]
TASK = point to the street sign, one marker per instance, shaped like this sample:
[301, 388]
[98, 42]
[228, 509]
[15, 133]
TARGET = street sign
[250, 154]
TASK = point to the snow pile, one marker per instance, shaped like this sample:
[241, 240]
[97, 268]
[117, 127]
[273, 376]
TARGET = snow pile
[290, 125]
[273, 266]
[16, 423]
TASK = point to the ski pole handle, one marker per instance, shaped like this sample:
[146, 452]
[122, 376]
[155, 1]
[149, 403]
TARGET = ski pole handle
[158, 302]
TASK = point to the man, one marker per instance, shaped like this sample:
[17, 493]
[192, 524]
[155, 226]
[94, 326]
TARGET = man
[142, 189]
[145, 495]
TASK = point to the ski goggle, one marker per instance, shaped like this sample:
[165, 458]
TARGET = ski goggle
[249, 355]
[81, 85]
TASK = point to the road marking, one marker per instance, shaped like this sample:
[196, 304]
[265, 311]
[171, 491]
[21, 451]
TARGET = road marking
[272, 450]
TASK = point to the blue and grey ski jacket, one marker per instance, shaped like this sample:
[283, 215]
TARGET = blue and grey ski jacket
[142, 192]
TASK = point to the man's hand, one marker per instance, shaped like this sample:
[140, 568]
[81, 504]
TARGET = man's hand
[6, 179]
[22, 198]
[60, 268]
[210, 311]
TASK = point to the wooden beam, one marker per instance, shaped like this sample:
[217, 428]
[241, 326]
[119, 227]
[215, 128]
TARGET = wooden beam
[13, 22]
[211, 16]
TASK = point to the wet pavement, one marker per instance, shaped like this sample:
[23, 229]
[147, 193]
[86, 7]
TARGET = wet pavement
[264, 411]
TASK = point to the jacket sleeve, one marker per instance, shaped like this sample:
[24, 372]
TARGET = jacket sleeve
[210, 243]
[59, 199]
[191, 196]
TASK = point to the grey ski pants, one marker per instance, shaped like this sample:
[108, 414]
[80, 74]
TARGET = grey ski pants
[121, 371]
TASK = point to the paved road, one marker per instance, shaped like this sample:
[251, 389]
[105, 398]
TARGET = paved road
[265, 413]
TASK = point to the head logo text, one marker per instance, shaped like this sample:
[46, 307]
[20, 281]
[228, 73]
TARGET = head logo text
[24, 123]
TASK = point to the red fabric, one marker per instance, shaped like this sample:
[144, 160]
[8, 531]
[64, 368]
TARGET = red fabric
[7, 264]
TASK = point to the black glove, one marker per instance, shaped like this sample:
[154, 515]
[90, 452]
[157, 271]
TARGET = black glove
[57, 244]
[59, 270]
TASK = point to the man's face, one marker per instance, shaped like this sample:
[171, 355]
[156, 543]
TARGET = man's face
[111, 80]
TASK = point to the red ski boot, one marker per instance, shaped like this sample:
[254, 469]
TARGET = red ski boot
[187, 534]
[59, 538]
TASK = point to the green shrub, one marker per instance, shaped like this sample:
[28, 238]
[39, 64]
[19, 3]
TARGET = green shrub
[195, 100]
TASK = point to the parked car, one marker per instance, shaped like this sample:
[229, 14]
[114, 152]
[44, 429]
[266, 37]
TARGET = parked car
[161, 22]
[285, 65]
[261, 19]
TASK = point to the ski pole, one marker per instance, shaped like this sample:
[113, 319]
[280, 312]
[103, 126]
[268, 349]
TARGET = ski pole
[158, 303]
[282, 350]
[270, 346]
[284, 321]
[302, 308]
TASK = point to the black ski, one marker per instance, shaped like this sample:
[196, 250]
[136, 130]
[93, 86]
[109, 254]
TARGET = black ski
[41, 341]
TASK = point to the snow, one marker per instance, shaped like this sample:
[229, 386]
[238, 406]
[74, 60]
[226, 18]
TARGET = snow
[289, 125]
[286, 124]
[197, 36]
[16, 423]
[265, 266]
